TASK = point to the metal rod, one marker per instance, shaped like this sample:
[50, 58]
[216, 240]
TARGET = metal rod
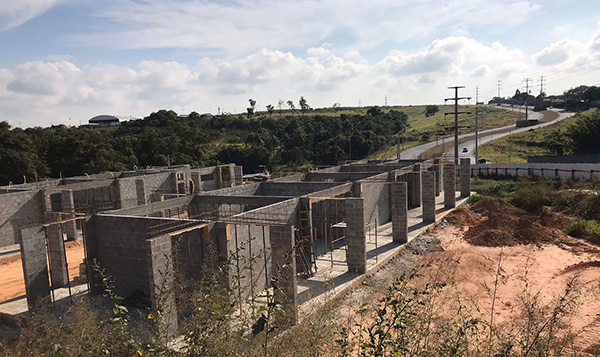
[376, 246]
[251, 266]
[49, 261]
[62, 239]
[265, 258]
[237, 265]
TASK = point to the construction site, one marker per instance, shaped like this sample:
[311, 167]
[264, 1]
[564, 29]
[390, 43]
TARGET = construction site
[316, 232]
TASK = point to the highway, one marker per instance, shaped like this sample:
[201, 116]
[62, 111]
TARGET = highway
[416, 151]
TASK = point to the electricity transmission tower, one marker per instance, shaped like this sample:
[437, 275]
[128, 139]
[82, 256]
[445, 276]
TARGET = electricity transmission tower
[456, 113]
[477, 103]
[499, 85]
[542, 81]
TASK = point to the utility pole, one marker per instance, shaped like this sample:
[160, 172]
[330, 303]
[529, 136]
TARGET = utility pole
[527, 80]
[542, 82]
[456, 112]
[477, 103]
[499, 85]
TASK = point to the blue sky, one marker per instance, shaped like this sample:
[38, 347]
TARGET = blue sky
[64, 59]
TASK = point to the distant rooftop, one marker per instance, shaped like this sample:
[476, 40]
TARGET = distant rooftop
[104, 119]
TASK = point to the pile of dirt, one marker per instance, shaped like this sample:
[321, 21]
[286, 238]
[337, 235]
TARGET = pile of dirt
[462, 217]
[502, 224]
[490, 205]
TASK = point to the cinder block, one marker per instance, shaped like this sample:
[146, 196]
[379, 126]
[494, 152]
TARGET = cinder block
[399, 212]
[449, 186]
[429, 196]
[356, 243]
[465, 177]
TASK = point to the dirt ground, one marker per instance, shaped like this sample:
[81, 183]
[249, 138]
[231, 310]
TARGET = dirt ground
[541, 264]
[11, 271]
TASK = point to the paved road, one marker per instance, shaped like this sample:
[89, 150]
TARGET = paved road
[470, 145]
[416, 151]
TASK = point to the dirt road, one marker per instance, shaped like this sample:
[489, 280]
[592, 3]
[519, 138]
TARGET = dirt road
[11, 271]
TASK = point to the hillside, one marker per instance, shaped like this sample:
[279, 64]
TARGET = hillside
[286, 141]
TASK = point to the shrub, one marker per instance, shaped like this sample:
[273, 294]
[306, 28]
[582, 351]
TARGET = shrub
[476, 197]
[583, 228]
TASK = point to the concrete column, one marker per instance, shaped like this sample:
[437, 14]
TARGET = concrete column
[428, 192]
[284, 268]
[413, 179]
[437, 170]
[449, 186]
[140, 192]
[68, 206]
[465, 177]
[399, 212]
[57, 257]
[35, 269]
[238, 174]
[356, 255]
[159, 259]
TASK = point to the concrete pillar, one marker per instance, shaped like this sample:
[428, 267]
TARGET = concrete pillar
[399, 191]
[449, 186]
[428, 193]
[413, 179]
[417, 167]
[159, 260]
[437, 170]
[35, 269]
[140, 192]
[57, 257]
[356, 242]
[68, 206]
[465, 177]
[238, 174]
[283, 266]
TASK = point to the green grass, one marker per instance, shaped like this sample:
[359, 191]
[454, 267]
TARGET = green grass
[516, 147]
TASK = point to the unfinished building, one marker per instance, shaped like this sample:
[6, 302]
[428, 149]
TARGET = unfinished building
[329, 225]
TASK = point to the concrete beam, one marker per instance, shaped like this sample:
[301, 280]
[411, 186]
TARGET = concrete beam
[240, 200]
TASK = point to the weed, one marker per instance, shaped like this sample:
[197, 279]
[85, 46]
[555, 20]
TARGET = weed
[588, 229]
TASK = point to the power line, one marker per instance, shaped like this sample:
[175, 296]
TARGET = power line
[456, 113]
[542, 80]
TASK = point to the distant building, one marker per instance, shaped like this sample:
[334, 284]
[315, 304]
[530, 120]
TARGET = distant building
[104, 120]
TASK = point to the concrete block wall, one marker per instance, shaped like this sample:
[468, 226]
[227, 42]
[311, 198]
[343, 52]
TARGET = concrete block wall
[449, 185]
[118, 243]
[68, 206]
[160, 283]
[292, 189]
[399, 201]
[356, 253]
[428, 193]
[413, 180]
[56, 255]
[127, 193]
[19, 210]
[284, 268]
[35, 269]
[249, 248]
[437, 169]
[376, 202]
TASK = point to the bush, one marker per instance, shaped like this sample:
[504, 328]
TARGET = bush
[583, 228]
[476, 197]
[532, 197]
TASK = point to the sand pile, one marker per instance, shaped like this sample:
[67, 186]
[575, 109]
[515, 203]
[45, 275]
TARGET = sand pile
[499, 223]
[462, 217]
[495, 205]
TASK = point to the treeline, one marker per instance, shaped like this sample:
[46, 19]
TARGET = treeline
[575, 99]
[580, 138]
[163, 138]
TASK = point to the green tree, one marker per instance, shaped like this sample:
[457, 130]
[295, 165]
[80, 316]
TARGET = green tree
[303, 105]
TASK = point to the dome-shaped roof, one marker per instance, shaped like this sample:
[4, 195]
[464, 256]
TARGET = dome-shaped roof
[104, 119]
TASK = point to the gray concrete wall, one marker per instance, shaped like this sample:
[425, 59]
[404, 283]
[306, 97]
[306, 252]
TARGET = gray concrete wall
[118, 243]
[566, 159]
[377, 202]
[35, 269]
[563, 171]
[292, 189]
[19, 210]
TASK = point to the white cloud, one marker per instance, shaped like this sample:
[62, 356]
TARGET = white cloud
[232, 26]
[14, 13]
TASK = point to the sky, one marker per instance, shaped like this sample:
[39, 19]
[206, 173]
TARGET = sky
[65, 61]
